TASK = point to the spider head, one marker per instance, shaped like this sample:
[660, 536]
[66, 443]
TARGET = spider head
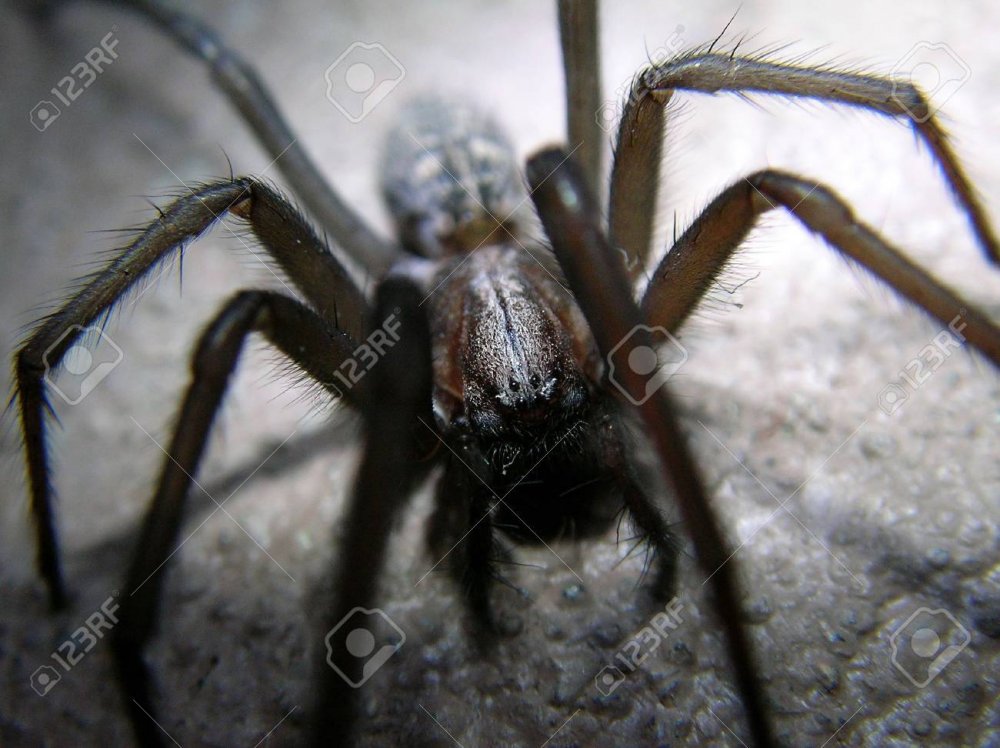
[522, 377]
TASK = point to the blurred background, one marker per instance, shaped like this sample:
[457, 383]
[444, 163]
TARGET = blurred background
[897, 511]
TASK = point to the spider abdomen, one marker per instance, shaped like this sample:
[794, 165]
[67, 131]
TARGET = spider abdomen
[450, 178]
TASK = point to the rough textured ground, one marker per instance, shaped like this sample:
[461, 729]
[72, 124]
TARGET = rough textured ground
[887, 514]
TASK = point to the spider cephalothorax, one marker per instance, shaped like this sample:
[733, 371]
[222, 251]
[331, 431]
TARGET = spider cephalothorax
[516, 361]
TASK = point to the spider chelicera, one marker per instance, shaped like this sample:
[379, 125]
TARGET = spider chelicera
[515, 371]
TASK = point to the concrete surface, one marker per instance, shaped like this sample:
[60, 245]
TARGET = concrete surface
[889, 513]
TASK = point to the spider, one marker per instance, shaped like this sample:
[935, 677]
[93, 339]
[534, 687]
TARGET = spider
[555, 236]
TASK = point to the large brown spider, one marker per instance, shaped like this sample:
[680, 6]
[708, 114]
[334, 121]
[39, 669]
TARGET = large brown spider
[556, 236]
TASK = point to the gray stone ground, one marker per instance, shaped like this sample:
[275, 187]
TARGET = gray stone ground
[887, 514]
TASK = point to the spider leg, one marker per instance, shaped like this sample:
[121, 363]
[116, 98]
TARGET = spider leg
[468, 535]
[314, 347]
[686, 272]
[635, 174]
[246, 91]
[637, 162]
[599, 282]
[644, 511]
[400, 398]
[578, 33]
[285, 235]
[474, 548]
